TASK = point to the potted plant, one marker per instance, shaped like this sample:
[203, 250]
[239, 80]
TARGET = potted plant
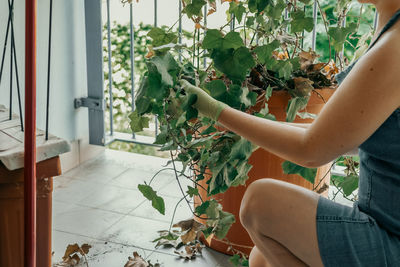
[258, 67]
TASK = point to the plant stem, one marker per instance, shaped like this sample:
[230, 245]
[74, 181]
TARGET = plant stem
[326, 29]
[326, 174]
[173, 214]
[164, 169]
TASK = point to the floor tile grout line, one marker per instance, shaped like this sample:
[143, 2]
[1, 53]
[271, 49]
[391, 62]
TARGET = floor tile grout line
[97, 208]
[104, 240]
[82, 178]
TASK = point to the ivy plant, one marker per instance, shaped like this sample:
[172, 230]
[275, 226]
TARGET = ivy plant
[244, 65]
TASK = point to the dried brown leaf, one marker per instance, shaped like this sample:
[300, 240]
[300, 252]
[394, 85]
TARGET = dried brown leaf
[188, 254]
[136, 261]
[85, 249]
[189, 224]
[71, 249]
[189, 236]
[303, 85]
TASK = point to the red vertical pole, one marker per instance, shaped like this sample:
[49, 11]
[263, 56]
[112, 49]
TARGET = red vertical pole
[30, 134]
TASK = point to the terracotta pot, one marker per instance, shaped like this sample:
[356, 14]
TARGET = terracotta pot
[12, 214]
[265, 165]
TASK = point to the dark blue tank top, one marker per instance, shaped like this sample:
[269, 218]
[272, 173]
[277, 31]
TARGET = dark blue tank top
[379, 185]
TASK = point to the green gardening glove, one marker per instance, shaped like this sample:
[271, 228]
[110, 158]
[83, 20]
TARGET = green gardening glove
[205, 104]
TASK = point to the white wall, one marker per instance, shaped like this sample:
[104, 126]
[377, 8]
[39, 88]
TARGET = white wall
[68, 64]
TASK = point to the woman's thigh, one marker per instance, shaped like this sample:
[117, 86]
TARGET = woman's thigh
[285, 213]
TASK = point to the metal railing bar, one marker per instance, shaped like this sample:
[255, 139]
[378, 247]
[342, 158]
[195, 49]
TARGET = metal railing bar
[48, 71]
[132, 58]
[180, 29]
[314, 32]
[6, 38]
[155, 13]
[303, 33]
[155, 25]
[198, 49]
[11, 74]
[110, 67]
[205, 27]
[341, 54]
[17, 76]
[376, 20]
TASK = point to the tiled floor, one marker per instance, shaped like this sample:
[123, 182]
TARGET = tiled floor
[98, 203]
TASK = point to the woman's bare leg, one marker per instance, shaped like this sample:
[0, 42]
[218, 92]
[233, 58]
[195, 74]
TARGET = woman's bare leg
[281, 256]
[281, 220]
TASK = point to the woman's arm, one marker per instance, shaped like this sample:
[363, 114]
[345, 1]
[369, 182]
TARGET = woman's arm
[366, 98]
[299, 125]
[352, 152]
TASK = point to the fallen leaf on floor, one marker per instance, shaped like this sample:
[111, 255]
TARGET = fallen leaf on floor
[138, 261]
[192, 229]
[190, 252]
[187, 254]
[72, 256]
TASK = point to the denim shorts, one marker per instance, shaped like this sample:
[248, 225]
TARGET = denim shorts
[350, 237]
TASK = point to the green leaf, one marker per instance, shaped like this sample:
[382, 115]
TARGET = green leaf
[294, 106]
[250, 21]
[156, 88]
[349, 184]
[209, 130]
[240, 150]
[169, 236]
[213, 209]
[276, 12]
[202, 209]
[142, 102]
[264, 52]
[258, 5]
[217, 88]
[268, 93]
[137, 122]
[285, 69]
[161, 37]
[307, 173]
[306, 115]
[338, 35]
[194, 8]
[237, 9]
[235, 259]
[208, 231]
[232, 40]
[192, 191]
[166, 65]
[163, 136]
[215, 40]
[242, 169]
[156, 201]
[300, 22]
[233, 63]
[225, 222]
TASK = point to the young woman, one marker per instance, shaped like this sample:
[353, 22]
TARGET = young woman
[301, 228]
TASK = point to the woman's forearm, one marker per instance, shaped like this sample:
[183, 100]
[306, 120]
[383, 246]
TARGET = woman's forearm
[299, 125]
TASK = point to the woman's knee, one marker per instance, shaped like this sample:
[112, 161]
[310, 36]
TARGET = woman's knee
[256, 259]
[254, 200]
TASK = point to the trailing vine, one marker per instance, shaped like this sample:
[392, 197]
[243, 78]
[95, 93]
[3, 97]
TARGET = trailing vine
[241, 75]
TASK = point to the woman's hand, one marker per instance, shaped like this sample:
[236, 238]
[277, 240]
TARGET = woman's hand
[205, 104]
